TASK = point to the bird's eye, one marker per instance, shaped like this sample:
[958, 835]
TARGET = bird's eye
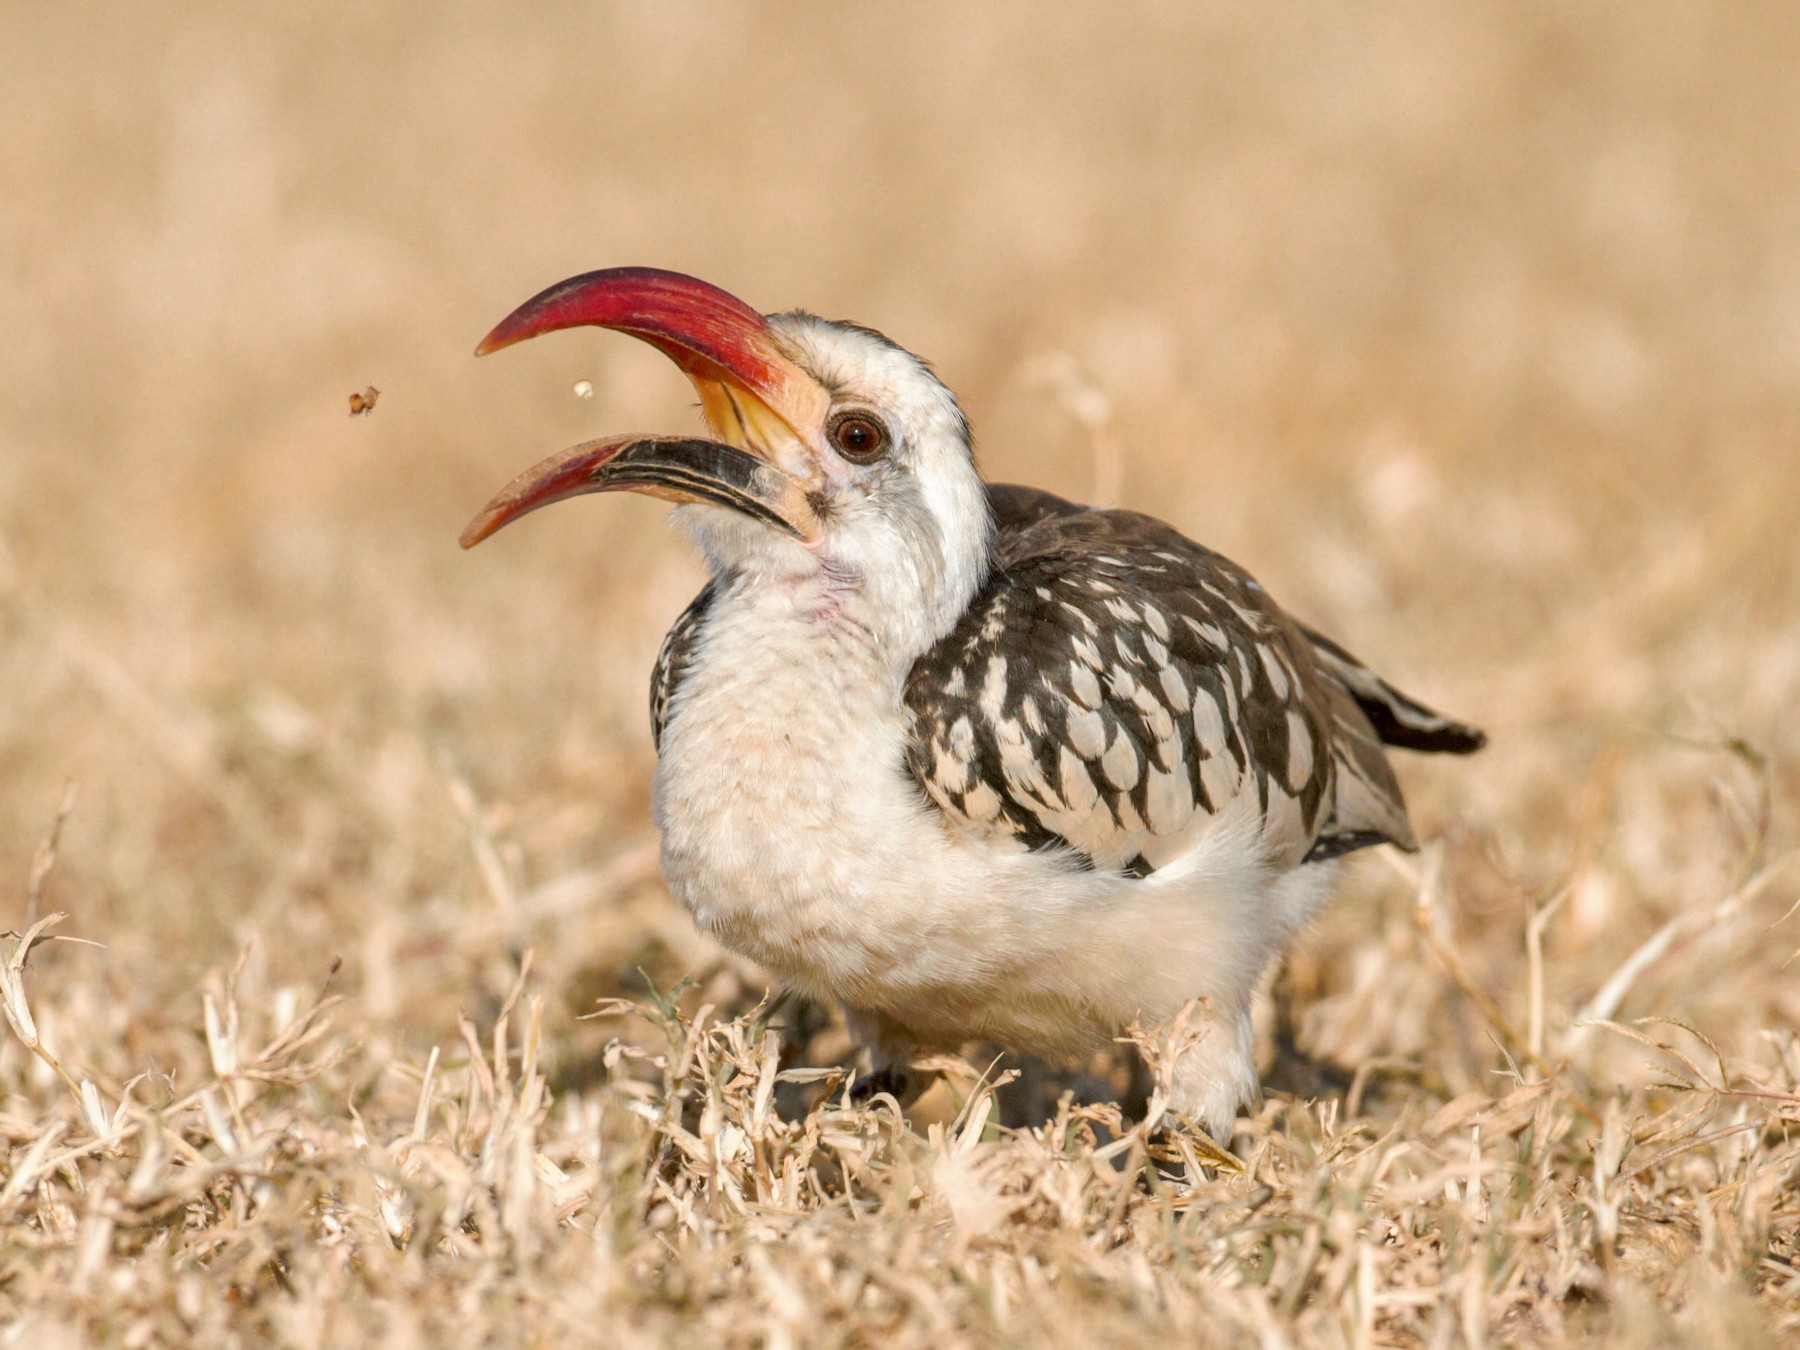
[859, 436]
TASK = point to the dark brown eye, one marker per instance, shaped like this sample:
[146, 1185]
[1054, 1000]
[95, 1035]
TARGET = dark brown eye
[859, 436]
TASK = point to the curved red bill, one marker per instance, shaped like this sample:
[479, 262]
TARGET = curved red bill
[569, 473]
[711, 334]
[675, 468]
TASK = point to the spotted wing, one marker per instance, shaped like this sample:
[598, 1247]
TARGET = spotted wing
[1115, 688]
[674, 659]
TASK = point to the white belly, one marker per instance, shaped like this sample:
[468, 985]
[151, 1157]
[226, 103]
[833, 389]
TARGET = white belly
[793, 832]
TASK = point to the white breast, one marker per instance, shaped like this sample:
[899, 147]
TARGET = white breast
[792, 831]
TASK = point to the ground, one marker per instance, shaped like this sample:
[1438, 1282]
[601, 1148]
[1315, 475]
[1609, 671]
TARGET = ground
[1473, 331]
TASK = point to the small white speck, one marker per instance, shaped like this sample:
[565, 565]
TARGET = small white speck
[584, 389]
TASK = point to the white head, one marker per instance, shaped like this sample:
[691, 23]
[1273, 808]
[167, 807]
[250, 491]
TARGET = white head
[838, 456]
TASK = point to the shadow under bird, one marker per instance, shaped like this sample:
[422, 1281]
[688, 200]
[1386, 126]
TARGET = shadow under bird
[971, 760]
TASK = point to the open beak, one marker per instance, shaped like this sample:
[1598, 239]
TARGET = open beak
[767, 413]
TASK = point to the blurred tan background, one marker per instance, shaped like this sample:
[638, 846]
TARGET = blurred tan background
[1474, 330]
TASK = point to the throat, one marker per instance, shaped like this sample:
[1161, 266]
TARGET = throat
[833, 594]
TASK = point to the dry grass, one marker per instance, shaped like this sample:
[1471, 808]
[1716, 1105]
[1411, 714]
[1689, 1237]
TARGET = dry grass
[1475, 331]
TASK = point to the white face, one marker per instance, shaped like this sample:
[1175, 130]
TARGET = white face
[904, 522]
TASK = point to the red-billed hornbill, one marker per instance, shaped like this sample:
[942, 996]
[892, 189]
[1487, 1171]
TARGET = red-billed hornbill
[975, 762]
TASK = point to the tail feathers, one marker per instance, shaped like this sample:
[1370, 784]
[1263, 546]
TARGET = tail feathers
[1397, 720]
[1366, 805]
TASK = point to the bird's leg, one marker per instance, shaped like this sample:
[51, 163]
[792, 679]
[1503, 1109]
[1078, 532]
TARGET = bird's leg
[904, 1085]
[1213, 1071]
[1294, 1069]
[890, 1059]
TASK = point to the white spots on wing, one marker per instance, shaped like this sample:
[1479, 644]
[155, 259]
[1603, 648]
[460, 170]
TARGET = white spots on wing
[1144, 700]
[1034, 719]
[1043, 592]
[1019, 766]
[1162, 726]
[1278, 680]
[951, 773]
[993, 688]
[958, 683]
[982, 804]
[1174, 689]
[1245, 680]
[1009, 733]
[1082, 617]
[1219, 777]
[1129, 823]
[1122, 684]
[1209, 633]
[1167, 801]
[1158, 624]
[962, 739]
[1120, 763]
[1284, 828]
[1155, 650]
[1084, 685]
[1088, 652]
[1209, 724]
[1087, 733]
[1122, 645]
[1101, 587]
[1121, 611]
[1078, 791]
[993, 625]
[1249, 617]
[1300, 751]
[1095, 833]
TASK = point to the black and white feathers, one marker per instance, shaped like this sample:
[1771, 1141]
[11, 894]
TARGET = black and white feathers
[1114, 687]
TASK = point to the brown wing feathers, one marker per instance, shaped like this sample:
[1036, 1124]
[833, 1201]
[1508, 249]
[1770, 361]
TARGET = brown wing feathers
[1114, 686]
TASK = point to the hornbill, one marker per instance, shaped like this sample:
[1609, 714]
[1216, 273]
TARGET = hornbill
[971, 760]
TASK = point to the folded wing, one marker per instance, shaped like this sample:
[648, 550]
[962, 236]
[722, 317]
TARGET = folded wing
[1115, 689]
